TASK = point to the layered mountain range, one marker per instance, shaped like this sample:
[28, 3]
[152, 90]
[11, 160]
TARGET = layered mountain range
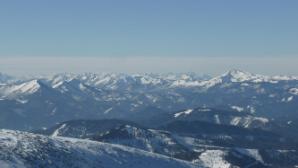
[198, 142]
[37, 102]
[237, 119]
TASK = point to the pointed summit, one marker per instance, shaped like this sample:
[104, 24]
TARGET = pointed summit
[25, 88]
[236, 75]
[28, 87]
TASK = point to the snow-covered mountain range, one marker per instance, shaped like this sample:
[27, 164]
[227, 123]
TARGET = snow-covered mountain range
[45, 100]
[236, 119]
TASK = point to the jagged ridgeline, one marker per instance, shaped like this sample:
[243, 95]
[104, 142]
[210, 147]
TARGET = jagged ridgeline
[237, 119]
[36, 102]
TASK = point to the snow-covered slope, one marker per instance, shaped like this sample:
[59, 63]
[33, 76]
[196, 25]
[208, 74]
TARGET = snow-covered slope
[20, 89]
[20, 150]
[211, 145]
[83, 128]
[156, 141]
[224, 117]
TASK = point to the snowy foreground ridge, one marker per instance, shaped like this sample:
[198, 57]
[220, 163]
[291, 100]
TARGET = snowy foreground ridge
[22, 150]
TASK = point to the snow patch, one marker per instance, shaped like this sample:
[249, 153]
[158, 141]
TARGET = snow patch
[262, 119]
[253, 153]
[108, 110]
[251, 109]
[22, 101]
[186, 112]
[82, 87]
[57, 131]
[237, 108]
[217, 120]
[214, 159]
[204, 109]
[235, 121]
[289, 99]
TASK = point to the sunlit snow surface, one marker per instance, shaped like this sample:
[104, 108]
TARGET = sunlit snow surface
[24, 88]
[237, 108]
[20, 150]
[214, 159]
[183, 112]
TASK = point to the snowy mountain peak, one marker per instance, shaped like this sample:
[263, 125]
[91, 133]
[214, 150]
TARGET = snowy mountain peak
[230, 76]
[236, 75]
[242, 76]
[29, 87]
[23, 88]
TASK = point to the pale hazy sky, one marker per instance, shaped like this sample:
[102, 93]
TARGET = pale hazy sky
[211, 66]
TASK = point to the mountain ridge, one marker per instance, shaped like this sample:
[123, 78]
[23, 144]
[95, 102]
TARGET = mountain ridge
[21, 149]
[126, 96]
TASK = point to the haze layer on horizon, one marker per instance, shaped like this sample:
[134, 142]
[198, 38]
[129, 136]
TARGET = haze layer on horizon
[203, 65]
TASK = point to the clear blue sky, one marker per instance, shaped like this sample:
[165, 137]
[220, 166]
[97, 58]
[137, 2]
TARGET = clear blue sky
[149, 28]
[163, 29]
